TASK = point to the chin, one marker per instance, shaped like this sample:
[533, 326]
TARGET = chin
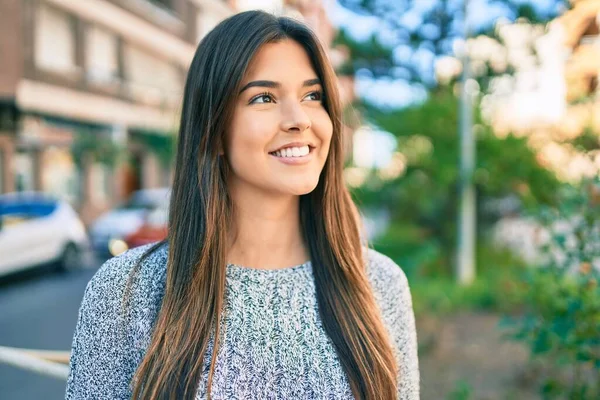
[302, 188]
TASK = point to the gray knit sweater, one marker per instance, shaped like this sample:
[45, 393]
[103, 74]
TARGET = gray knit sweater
[274, 345]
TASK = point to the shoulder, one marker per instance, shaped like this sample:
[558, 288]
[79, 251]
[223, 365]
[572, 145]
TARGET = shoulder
[115, 271]
[118, 297]
[383, 273]
[392, 293]
[389, 284]
[109, 341]
[111, 279]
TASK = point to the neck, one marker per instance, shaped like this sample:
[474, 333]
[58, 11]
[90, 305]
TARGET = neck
[266, 231]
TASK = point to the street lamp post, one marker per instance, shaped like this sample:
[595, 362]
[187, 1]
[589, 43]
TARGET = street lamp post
[465, 265]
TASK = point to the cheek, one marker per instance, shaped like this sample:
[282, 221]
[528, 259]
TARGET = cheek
[323, 128]
[248, 137]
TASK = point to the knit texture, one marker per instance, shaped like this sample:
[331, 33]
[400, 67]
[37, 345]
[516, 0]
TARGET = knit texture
[273, 346]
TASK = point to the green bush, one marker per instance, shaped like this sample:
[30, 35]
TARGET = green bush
[462, 391]
[561, 320]
[496, 288]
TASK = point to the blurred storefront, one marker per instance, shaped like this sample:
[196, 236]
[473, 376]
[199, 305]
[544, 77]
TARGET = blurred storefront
[93, 71]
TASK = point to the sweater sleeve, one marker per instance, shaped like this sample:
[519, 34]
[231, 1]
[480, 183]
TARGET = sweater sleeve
[392, 292]
[100, 364]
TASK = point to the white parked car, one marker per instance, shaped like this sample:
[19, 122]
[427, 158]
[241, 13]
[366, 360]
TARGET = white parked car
[37, 229]
[109, 231]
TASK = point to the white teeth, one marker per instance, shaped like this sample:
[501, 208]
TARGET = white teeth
[293, 152]
[304, 151]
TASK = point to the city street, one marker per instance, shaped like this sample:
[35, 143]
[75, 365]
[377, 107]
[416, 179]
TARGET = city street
[38, 310]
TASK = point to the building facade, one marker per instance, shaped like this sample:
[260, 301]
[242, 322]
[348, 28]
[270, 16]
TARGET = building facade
[83, 80]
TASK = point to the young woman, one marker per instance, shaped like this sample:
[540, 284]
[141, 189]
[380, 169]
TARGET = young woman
[263, 289]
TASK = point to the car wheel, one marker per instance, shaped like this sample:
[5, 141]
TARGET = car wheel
[71, 259]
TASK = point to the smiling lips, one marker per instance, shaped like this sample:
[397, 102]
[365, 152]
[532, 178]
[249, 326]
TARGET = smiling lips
[293, 155]
[292, 152]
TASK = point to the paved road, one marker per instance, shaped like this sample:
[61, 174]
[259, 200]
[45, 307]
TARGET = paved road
[38, 310]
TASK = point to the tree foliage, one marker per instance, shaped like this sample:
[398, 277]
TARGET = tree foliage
[429, 27]
[423, 201]
[561, 321]
[161, 144]
[100, 147]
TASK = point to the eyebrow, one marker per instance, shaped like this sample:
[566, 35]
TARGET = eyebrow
[272, 84]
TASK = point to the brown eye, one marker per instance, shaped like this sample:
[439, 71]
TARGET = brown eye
[315, 96]
[266, 97]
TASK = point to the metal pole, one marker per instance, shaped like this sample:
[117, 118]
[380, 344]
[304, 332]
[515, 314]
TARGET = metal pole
[465, 268]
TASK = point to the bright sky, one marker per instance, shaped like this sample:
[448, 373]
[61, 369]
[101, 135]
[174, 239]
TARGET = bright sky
[398, 92]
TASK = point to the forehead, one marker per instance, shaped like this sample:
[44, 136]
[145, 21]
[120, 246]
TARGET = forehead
[282, 61]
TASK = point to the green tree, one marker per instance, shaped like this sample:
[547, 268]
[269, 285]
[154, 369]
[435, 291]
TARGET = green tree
[422, 202]
[434, 28]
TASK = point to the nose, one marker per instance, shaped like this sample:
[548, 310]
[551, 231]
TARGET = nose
[294, 118]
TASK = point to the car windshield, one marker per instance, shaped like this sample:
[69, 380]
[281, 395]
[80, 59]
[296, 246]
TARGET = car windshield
[14, 211]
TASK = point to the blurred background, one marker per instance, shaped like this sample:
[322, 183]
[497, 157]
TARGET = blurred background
[472, 134]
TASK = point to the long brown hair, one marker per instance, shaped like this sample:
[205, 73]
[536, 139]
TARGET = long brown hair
[200, 207]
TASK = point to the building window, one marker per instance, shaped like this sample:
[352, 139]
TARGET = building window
[54, 41]
[102, 65]
[100, 184]
[150, 79]
[24, 178]
[59, 173]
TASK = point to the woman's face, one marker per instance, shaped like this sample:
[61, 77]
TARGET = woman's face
[279, 137]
